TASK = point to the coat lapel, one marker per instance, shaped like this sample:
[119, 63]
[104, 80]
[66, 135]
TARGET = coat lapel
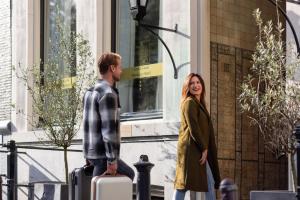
[202, 108]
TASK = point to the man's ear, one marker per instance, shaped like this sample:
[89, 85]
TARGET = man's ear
[112, 68]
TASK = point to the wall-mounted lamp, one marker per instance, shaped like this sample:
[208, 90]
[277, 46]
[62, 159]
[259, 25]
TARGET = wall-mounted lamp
[138, 9]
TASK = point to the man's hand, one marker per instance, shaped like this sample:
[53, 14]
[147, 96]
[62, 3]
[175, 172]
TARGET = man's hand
[112, 168]
[204, 157]
[87, 162]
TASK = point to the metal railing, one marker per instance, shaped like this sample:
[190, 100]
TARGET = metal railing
[143, 166]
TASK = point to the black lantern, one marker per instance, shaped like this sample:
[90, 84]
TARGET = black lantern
[138, 9]
[138, 12]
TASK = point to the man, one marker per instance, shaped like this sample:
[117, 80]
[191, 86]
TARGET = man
[101, 120]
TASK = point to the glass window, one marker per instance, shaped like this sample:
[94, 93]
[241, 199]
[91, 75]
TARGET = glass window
[141, 85]
[148, 89]
[65, 11]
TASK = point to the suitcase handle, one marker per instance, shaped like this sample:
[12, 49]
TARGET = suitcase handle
[106, 173]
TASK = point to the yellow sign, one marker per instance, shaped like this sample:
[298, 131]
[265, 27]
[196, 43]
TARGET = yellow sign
[68, 82]
[143, 71]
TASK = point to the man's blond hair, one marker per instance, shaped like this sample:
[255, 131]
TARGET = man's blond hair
[106, 60]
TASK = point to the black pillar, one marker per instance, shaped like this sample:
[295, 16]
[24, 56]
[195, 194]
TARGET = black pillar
[11, 170]
[1, 187]
[143, 180]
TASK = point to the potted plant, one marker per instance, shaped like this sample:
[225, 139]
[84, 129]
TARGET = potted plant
[270, 94]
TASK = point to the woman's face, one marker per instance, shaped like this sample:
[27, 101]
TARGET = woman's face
[195, 86]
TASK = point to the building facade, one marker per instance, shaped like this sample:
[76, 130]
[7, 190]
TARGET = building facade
[215, 38]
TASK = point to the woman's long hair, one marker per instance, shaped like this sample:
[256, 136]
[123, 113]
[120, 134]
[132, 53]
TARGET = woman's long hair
[186, 92]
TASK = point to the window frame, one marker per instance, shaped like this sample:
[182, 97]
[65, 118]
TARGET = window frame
[130, 116]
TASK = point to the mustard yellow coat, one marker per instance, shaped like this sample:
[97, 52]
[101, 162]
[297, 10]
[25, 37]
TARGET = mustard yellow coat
[196, 134]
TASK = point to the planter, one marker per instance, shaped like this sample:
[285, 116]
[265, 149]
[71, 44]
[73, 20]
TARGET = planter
[272, 195]
[48, 191]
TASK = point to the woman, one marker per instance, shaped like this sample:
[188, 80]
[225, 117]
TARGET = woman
[197, 165]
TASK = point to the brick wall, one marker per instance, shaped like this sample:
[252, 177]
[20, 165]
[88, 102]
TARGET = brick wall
[5, 59]
[232, 22]
[241, 152]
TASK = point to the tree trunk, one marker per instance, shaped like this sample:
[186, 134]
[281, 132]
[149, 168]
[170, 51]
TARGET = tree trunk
[66, 164]
[294, 175]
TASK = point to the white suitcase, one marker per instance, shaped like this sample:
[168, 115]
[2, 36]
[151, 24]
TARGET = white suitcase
[107, 187]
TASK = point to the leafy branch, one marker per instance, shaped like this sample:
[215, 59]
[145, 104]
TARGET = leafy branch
[57, 84]
[270, 93]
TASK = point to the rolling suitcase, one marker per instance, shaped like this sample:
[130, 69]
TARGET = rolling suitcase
[107, 187]
[80, 183]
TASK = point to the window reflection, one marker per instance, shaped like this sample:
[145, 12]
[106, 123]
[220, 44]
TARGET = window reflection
[141, 90]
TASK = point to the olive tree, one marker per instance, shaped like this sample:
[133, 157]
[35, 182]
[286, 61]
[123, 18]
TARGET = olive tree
[56, 86]
[271, 93]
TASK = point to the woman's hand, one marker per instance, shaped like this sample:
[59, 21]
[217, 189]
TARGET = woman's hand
[204, 157]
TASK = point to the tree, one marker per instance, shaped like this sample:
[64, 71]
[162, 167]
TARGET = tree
[271, 93]
[57, 85]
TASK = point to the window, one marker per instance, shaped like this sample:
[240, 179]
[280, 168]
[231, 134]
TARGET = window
[56, 64]
[147, 88]
[141, 85]
[65, 11]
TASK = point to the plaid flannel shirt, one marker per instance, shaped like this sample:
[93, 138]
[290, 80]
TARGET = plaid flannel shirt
[101, 122]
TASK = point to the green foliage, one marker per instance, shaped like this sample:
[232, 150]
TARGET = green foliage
[57, 86]
[270, 93]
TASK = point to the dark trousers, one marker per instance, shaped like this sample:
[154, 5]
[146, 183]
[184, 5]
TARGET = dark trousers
[100, 166]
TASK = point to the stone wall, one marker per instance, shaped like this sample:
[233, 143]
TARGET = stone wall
[241, 152]
[232, 22]
[242, 156]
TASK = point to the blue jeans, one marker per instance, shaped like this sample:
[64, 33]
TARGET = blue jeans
[100, 166]
[210, 195]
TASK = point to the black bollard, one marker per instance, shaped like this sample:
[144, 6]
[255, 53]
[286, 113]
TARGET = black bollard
[297, 133]
[0, 187]
[11, 170]
[143, 167]
[228, 189]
